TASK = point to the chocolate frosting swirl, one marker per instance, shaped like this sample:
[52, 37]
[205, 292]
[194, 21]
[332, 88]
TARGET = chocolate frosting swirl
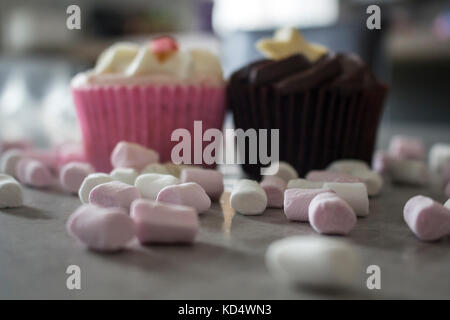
[296, 73]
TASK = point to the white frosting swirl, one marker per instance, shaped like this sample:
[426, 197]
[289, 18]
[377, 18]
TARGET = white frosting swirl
[129, 64]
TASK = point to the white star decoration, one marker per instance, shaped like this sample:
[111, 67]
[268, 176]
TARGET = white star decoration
[289, 41]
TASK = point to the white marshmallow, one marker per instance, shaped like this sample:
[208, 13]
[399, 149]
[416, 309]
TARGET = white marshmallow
[355, 194]
[360, 170]
[285, 171]
[125, 175]
[406, 147]
[412, 172]
[175, 169]
[9, 160]
[248, 197]
[313, 261]
[372, 180]
[348, 166]
[304, 184]
[439, 153]
[11, 194]
[155, 168]
[150, 184]
[89, 183]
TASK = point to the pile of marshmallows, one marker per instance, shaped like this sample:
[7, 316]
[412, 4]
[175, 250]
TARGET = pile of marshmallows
[404, 163]
[160, 203]
[154, 202]
[330, 200]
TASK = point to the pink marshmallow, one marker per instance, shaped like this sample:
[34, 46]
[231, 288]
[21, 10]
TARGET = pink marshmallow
[382, 162]
[132, 155]
[157, 222]
[427, 219]
[296, 202]
[328, 176]
[69, 152]
[210, 180]
[16, 144]
[329, 214]
[114, 194]
[188, 194]
[274, 187]
[47, 157]
[33, 173]
[103, 229]
[72, 175]
[407, 148]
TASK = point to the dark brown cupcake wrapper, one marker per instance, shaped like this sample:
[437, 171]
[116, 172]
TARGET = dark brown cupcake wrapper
[316, 127]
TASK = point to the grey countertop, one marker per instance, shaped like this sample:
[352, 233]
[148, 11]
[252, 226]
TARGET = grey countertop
[226, 262]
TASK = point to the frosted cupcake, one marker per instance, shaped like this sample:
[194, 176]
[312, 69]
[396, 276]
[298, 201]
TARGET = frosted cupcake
[143, 93]
[327, 106]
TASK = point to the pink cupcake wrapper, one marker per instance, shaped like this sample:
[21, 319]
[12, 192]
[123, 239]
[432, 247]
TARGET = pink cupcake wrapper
[143, 114]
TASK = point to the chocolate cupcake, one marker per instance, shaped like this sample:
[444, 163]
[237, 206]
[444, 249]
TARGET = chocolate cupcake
[326, 106]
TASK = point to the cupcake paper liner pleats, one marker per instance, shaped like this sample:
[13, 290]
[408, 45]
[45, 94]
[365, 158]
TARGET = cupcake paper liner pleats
[143, 114]
[316, 126]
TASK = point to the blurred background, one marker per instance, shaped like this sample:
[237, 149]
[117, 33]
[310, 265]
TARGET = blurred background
[39, 55]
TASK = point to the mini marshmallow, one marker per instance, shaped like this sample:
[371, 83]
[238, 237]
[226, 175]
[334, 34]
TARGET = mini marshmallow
[296, 202]
[439, 154]
[113, 194]
[189, 194]
[173, 169]
[413, 172]
[102, 229]
[328, 176]
[208, 179]
[15, 144]
[313, 262]
[72, 175]
[329, 214]
[157, 222]
[285, 171]
[248, 198]
[11, 194]
[359, 169]
[382, 162]
[33, 173]
[427, 219]
[274, 188]
[355, 194]
[9, 160]
[372, 180]
[48, 157]
[304, 184]
[155, 168]
[69, 152]
[89, 183]
[407, 148]
[125, 175]
[348, 166]
[150, 184]
[132, 155]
